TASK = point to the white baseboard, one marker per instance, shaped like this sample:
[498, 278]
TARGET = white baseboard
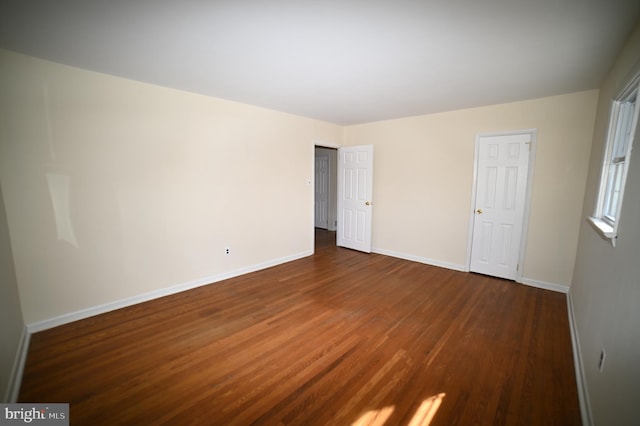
[545, 285]
[15, 379]
[419, 259]
[462, 268]
[111, 306]
[583, 394]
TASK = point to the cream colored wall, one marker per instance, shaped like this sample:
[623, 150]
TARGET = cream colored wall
[605, 294]
[423, 177]
[115, 188]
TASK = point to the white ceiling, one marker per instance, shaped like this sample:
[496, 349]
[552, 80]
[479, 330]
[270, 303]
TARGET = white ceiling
[345, 62]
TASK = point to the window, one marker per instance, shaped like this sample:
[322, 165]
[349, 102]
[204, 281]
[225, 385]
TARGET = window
[622, 124]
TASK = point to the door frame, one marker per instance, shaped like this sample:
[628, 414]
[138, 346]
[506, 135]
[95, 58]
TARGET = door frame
[312, 183]
[328, 184]
[527, 200]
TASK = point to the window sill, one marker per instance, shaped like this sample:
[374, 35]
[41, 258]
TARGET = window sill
[605, 230]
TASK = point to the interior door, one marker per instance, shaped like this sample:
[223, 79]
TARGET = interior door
[321, 196]
[355, 190]
[501, 182]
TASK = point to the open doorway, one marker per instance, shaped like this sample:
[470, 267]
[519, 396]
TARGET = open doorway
[325, 194]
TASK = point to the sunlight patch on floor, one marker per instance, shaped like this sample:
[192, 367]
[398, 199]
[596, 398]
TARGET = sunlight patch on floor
[374, 417]
[423, 416]
[427, 411]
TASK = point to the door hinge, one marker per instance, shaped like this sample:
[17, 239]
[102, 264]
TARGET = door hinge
[518, 267]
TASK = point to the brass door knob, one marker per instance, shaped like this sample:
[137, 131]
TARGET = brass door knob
[367, 203]
[479, 211]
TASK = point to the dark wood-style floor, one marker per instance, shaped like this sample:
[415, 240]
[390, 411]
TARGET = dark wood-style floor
[339, 338]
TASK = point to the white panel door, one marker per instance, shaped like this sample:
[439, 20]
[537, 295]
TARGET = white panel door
[322, 192]
[355, 190]
[502, 167]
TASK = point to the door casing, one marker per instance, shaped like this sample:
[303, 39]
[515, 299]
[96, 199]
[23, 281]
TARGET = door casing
[321, 191]
[311, 182]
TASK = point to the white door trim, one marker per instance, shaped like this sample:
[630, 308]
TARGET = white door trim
[324, 144]
[527, 200]
[327, 180]
[311, 183]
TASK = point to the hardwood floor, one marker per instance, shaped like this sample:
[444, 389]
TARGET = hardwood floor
[337, 338]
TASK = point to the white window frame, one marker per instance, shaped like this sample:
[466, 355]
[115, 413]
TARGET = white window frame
[623, 121]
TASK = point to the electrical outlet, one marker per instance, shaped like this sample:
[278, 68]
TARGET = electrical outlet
[227, 250]
[603, 355]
